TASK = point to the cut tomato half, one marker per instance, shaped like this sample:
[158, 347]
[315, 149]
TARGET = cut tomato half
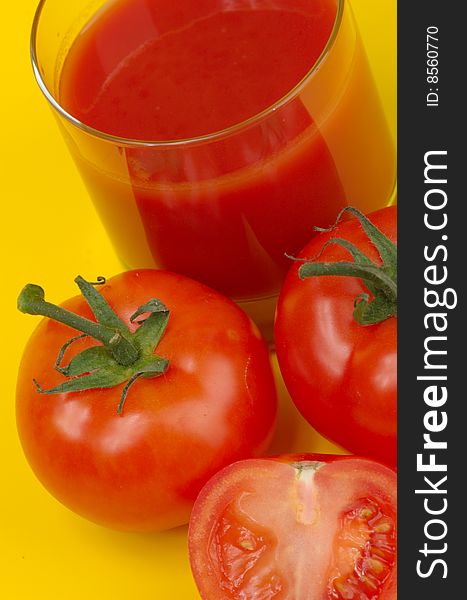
[308, 527]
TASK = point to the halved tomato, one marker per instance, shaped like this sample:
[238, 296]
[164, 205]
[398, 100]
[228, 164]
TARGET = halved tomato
[298, 527]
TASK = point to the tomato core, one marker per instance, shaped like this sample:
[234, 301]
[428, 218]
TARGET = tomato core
[364, 553]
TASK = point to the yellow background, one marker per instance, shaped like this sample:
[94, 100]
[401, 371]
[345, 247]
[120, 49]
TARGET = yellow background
[50, 233]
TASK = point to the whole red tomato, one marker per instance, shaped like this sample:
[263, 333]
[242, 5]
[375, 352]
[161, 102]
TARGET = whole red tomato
[340, 373]
[141, 468]
[296, 527]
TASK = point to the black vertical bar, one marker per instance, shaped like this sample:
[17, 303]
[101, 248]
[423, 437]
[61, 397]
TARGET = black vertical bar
[432, 338]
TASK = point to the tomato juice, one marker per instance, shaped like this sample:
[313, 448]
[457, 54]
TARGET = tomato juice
[215, 169]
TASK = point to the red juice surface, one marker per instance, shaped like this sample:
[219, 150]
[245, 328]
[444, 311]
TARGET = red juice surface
[226, 209]
[161, 70]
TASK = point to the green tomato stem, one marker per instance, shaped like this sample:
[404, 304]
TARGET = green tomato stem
[379, 279]
[122, 357]
[31, 301]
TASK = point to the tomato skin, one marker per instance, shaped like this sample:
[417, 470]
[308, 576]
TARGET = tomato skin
[297, 545]
[142, 470]
[341, 375]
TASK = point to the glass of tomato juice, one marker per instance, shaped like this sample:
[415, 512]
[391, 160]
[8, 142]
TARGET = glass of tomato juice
[214, 134]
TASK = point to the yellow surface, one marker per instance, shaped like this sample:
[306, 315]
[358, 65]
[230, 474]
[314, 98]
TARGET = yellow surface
[50, 233]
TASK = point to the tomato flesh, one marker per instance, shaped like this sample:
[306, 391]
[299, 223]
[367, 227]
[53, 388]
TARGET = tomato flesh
[309, 530]
[244, 551]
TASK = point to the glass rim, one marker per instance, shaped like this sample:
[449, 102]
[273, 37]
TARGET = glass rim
[122, 141]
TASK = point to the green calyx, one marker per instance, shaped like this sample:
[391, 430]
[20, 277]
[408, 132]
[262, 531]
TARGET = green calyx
[122, 356]
[379, 279]
[303, 466]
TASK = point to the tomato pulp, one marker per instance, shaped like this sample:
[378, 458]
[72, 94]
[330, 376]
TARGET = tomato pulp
[307, 527]
[225, 209]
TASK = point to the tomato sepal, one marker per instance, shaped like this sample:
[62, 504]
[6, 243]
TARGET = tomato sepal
[122, 357]
[379, 279]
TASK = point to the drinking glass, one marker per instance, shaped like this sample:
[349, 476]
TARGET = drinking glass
[225, 208]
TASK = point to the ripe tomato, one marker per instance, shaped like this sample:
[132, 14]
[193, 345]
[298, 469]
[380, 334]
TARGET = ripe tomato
[142, 469]
[340, 374]
[308, 527]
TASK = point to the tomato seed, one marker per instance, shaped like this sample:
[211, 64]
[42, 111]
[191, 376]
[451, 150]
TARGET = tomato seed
[365, 553]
